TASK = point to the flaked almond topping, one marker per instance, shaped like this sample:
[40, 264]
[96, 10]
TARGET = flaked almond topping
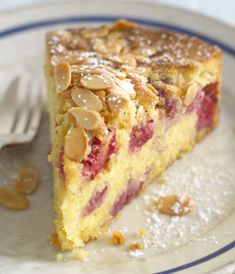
[191, 94]
[76, 143]
[96, 82]
[174, 205]
[115, 103]
[95, 33]
[9, 198]
[123, 24]
[144, 51]
[62, 75]
[118, 238]
[88, 119]
[26, 180]
[128, 60]
[85, 98]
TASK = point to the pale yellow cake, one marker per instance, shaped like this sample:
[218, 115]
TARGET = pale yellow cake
[125, 102]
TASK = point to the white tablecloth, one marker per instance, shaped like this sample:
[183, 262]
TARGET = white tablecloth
[221, 9]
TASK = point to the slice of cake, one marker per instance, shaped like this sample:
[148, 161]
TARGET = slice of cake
[125, 102]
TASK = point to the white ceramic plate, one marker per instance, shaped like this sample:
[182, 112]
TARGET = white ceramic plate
[200, 243]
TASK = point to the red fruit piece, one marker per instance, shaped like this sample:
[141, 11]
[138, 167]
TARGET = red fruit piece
[95, 202]
[140, 136]
[127, 195]
[207, 110]
[169, 105]
[98, 157]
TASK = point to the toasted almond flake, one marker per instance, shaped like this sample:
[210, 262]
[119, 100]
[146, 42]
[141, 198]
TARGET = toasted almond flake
[62, 76]
[115, 103]
[9, 198]
[26, 180]
[191, 94]
[96, 82]
[128, 60]
[135, 246]
[75, 143]
[174, 205]
[85, 98]
[123, 24]
[118, 238]
[99, 46]
[88, 119]
[94, 33]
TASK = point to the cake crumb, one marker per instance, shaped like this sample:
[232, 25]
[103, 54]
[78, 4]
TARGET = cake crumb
[80, 254]
[118, 238]
[135, 246]
[162, 181]
[60, 257]
[141, 233]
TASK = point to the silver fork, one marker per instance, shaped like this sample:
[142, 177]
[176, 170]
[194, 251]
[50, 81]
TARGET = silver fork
[20, 111]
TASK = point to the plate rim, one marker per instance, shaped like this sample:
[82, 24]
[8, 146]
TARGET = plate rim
[149, 2]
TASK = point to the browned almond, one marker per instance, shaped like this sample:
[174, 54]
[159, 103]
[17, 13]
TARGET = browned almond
[9, 198]
[175, 205]
[96, 81]
[88, 119]
[76, 143]
[191, 94]
[62, 76]
[85, 98]
[115, 102]
[26, 180]
[123, 24]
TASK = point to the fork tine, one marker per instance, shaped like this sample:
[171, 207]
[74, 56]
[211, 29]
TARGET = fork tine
[8, 107]
[23, 111]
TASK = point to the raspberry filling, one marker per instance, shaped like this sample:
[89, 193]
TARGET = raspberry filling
[98, 157]
[206, 104]
[131, 191]
[95, 202]
[208, 107]
[169, 105]
[140, 135]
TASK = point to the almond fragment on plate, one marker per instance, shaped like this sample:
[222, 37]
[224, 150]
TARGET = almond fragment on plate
[88, 119]
[9, 198]
[62, 75]
[118, 238]
[135, 246]
[174, 205]
[26, 180]
[85, 98]
[75, 143]
[97, 81]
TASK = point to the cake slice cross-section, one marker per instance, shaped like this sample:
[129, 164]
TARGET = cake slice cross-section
[125, 102]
